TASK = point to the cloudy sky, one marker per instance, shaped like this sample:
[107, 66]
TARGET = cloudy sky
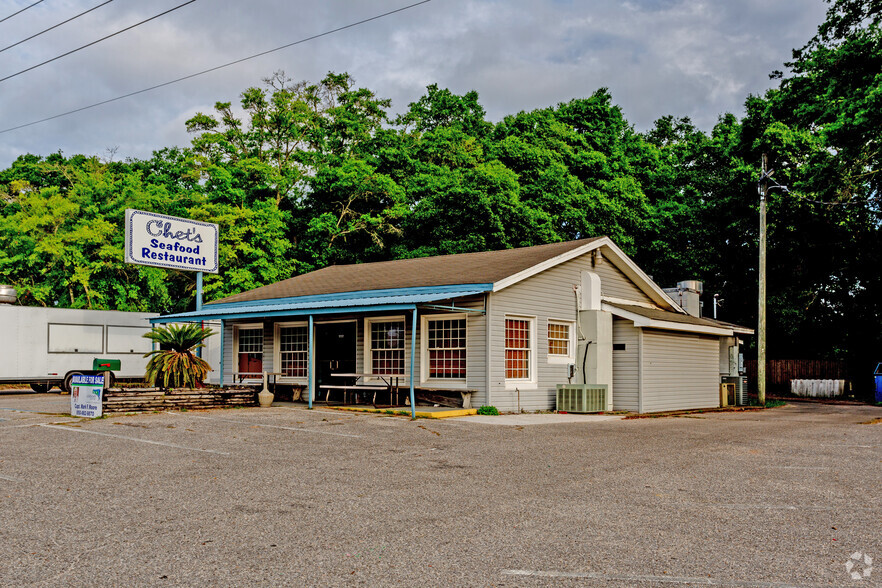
[682, 57]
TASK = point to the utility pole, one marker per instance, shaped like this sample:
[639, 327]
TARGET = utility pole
[761, 330]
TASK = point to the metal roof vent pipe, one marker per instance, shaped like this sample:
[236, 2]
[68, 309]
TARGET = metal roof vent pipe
[8, 295]
[688, 295]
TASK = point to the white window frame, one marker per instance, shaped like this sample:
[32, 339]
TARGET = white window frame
[424, 351]
[277, 351]
[556, 358]
[368, 357]
[531, 381]
[247, 326]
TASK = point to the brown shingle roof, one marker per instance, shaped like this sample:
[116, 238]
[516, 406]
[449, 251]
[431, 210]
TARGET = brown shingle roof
[675, 317]
[465, 268]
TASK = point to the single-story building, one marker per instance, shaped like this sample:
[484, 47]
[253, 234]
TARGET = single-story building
[503, 328]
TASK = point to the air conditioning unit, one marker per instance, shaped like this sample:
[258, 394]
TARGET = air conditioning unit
[740, 382]
[581, 397]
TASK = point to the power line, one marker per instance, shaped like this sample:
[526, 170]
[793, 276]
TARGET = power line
[98, 41]
[55, 26]
[767, 177]
[20, 11]
[193, 75]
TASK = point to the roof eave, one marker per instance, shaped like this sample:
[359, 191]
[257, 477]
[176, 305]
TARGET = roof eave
[642, 321]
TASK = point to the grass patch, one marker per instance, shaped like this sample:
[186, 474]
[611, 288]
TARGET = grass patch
[488, 410]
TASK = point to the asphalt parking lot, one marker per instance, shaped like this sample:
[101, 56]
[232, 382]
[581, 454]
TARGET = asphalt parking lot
[290, 497]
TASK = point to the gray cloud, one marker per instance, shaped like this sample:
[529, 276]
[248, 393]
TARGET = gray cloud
[657, 57]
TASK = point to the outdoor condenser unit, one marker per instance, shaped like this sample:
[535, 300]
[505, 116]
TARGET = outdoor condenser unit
[740, 388]
[581, 397]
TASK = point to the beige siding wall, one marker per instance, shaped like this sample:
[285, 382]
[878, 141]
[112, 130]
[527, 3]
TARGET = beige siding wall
[547, 295]
[680, 371]
[613, 282]
[626, 365]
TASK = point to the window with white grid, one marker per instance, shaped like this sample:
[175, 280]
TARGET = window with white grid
[518, 349]
[560, 344]
[250, 349]
[387, 347]
[446, 346]
[293, 351]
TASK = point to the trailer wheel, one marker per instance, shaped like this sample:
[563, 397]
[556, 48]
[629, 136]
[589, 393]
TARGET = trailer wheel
[67, 379]
[40, 387]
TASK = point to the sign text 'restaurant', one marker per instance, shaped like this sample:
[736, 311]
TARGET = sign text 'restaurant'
[169, 241]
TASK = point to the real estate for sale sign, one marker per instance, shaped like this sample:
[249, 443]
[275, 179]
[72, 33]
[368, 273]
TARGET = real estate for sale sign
[86, 394]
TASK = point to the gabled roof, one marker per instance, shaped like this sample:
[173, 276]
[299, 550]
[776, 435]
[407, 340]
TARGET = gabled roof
[487, 267]
[420, 280]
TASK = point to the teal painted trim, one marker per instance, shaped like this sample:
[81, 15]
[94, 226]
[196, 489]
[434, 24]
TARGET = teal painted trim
[452, 308]
[223, 328]
[415, 291]
[302, 312]
[413, 333]
[310, 342]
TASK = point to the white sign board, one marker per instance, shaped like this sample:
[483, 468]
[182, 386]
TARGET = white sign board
[172, 242]
[86, 393]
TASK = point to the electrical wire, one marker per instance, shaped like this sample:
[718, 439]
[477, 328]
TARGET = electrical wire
[20, 11]
[767, 176]
[18, 73]
[55, 26]
[193, 75]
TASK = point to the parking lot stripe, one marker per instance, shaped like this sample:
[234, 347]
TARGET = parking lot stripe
[659, 579]
[275, 427]
[343, 415]
[135, 439]
[9, 478]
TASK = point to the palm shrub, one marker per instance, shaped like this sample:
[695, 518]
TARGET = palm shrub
[175, 360]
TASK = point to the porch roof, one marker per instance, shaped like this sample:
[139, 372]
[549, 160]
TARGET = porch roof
[662, 319]
[360, 301]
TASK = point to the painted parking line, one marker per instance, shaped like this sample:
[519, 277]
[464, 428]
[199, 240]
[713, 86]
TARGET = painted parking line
[659, 579]
[9, 478]
[250, 424]
[344, 415]
[135, 439]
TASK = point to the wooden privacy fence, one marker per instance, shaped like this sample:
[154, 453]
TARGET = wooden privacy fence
[779, 372]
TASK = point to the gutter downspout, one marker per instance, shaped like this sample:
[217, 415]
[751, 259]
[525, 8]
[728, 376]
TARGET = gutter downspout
[311, 346]
[413, 329]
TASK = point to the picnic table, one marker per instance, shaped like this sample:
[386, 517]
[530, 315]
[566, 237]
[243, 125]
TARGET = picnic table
[361, 387]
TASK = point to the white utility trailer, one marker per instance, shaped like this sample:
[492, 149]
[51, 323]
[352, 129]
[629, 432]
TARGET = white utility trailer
[46, 347]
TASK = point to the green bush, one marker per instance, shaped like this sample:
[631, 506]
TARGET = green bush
[491, 410]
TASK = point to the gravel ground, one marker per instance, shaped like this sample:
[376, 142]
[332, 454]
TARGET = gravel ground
[290, 497]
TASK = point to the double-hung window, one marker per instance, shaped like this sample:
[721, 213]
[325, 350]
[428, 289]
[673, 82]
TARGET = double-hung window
[293, 356]
[386, 352]
[249, 349]
[444, 347]
[560, 342]
[520, 349]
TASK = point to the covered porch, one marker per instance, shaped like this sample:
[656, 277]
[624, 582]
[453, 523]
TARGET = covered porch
[384, 348]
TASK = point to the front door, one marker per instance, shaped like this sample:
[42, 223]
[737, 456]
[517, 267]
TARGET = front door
[335, 349]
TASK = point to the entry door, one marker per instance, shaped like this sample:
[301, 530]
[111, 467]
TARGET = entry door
[335, 350]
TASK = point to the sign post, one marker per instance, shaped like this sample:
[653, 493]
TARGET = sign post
[86, 396]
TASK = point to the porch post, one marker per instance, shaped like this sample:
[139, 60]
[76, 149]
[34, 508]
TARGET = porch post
[223, 325]
[310, 345]
[413, 330]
